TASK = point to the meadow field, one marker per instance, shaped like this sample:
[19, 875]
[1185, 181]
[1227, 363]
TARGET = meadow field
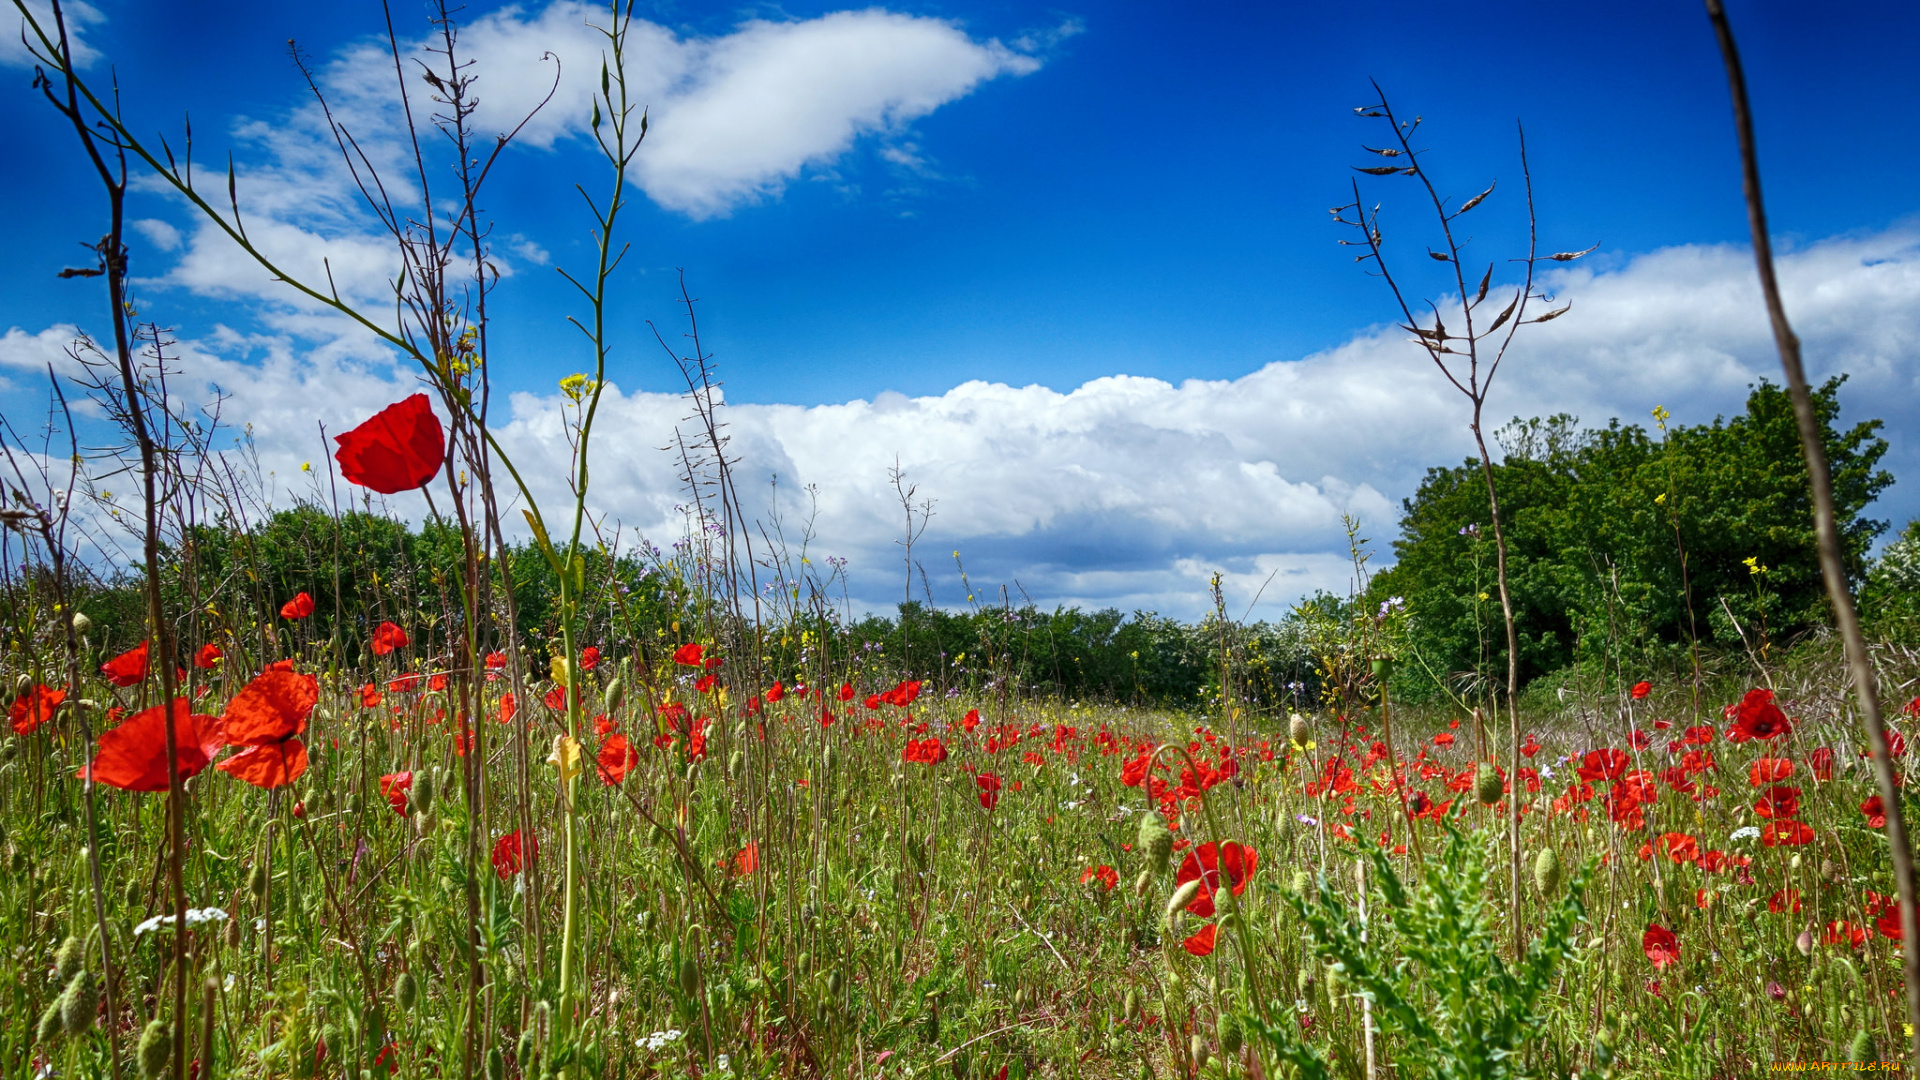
[431, 768]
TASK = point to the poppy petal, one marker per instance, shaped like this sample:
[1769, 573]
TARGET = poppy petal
[1201, 944]
[272, 707]
[133, 756]
[272, 765]
[399, 448]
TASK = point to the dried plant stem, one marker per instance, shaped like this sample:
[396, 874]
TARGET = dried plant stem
[1846, 617]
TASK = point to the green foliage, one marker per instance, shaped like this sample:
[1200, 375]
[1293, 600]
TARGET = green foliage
[1429, 960]
[1596, 523]
[1890, 602]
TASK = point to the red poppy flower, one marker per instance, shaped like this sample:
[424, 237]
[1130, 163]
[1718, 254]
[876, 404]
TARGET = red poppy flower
[1531, 746]
[1639, 740]
[1698, 736]
[1445, 738]
[207, 657]
[1107, 876]
[496, 661]
[299, 607]
[1204, 864]
[1876, 812]
[1201, 944]
[589, 658]
[133, 756]
[388, 637]
[1601, 765]
[1784, 901]
[1680, 847]
[405, 684]
[705, 683]
[267, 717]
[34, 708]
[845, 692]
[510, 854]
[1769, 770]
[1778, 802]
[775, 692]
[1641, 690]
[370, 696]
[616, 759]
[399, 448]
[1786, 834]
[1661, 947]
[989, 786]
[555, 699]
[394, 786]
[1755, 716]
[746, 860]
[688, 655]
[507, 708]
[1889, 923]
[1841, 932]
[928, 751]
[127, 669]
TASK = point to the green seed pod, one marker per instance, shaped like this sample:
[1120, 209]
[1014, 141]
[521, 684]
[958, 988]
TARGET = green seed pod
[524, 1052]
[689, 976]
[78, 1004]
[81, 624]
[835, 981]
[1156, 840]
[406, 991]
[1131, 1010]
[803, 964]
[1486, 784]
[425, 787]
[736, 763]
[1299, 730]
[1546, 871]
[496, 1064]
[425, 823]
[616, 694]
[49, 1026]
[1336, 982]
[156, 1048]
[1862, 1049]
[1142, 883]
[1302, 882]
[257, 879]
[1198, 1047]
[1231, 1035]
[1182, 896]
[23, 684]
[68, 961]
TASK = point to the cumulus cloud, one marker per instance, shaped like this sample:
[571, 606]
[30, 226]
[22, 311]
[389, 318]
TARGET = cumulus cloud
[1131, 491]
[79, 16]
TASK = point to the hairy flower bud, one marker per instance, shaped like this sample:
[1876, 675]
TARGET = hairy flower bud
[1298, 729]
[49, 1027]
[78, 1004]
[1231, 1034]
[689, 976]
[1131, 1009]
[81, 624]
[616, 694]
[1198, 1047]
[1156, 840]
[1486, 784]
[1862, 1048]
[156, 1047]
[257, 879]
[68, 961]
[1546, 871]
[406, 991]
[425, 786]
[1182, 897]
[496, 1064]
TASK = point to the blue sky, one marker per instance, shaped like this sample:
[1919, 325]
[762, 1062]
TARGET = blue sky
[1049, 198]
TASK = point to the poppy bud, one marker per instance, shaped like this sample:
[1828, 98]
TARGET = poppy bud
[1830, 870]
[257, 879]
[1804, 943]
[156, 1047]
[49, 1026]
[689, 976]
[68, 961]
[1862, 1049]
[23, 684]
[1546, 871]
[1336, 981]
[1156, 840]
[233, 933]
[1141, 883]
[524, 1051]
[828, 760]
[406, 991]
[496, 1064]
[425, 787]
[1299, 730]
[1182, 897]
[1198, 1047]
[300, 811]
[1131, 1011]
[736, 763]
[616, 694]
[425, 823]
[1486, 784]
[78, 1003]
[81, 624]
[1603, 1048]
[1231, 1035]
[1795, 861]
[1302, 881]
[834, 982]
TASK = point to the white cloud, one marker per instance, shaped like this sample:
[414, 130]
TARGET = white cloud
[79, 16]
